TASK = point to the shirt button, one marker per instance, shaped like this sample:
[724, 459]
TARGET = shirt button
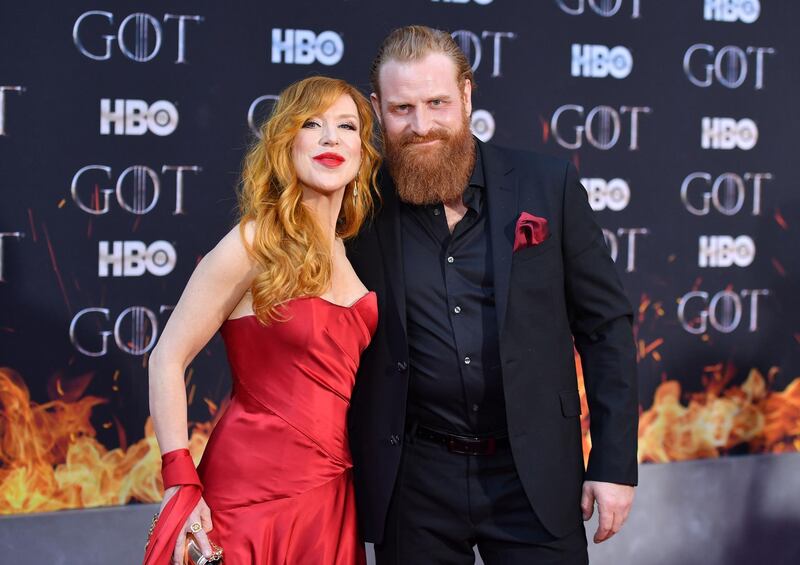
[475, 407]
[450, 259]
[402, 366]
[467, 360]
[457, 309]
[436, 212]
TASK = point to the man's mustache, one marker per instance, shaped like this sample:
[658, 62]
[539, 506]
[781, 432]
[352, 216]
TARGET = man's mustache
[433, 135]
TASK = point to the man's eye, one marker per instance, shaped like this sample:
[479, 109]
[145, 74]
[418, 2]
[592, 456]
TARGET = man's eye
[436, 102]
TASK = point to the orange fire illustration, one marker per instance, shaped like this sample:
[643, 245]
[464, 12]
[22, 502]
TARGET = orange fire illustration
[719, 419]
[587, 437]
[713, 421]
[50, 459]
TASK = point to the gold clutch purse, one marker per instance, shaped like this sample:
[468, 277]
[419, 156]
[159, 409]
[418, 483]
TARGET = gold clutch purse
[193, 555]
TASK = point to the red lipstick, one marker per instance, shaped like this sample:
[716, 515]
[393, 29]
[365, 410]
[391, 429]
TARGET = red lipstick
[330, 160]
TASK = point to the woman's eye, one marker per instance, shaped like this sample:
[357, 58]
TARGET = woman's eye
[310, 124]
[350, 126]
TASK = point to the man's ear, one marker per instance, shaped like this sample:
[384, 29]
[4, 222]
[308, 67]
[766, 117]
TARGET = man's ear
[376, 106]
[467, 94]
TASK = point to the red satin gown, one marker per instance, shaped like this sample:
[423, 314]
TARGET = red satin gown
[277, 469]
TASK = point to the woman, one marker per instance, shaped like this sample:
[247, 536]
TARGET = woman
[275, 476]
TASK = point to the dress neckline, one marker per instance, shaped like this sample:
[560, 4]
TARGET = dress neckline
[348, 306]
[334, 304]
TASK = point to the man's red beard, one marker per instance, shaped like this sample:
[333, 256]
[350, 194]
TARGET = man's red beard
[431, 174]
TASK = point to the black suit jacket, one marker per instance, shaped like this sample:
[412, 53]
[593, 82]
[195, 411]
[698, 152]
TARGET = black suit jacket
[546, 295]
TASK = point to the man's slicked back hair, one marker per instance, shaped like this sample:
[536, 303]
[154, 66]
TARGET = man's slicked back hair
[412, 43]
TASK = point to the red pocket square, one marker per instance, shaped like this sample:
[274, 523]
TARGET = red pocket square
[531, 230]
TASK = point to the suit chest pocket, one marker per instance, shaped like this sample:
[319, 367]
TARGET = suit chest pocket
[538, 262]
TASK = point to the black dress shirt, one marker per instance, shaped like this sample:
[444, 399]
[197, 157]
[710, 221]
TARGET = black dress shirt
[455, 378]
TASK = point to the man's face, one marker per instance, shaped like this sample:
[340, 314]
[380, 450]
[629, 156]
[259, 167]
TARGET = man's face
[421, 97]
[424, 114]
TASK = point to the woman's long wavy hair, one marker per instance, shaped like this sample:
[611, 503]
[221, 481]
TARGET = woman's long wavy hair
[288, 244]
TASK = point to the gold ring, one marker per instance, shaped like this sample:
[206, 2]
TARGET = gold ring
[196, 527]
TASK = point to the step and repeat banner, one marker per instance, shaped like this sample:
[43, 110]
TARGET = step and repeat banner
[122, 130]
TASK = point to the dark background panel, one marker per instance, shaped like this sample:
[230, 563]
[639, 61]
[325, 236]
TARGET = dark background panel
[52, 130]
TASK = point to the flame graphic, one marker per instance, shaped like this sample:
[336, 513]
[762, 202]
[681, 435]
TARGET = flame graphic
[50, 459]
[719, 419]
[587, 437]
[714, 421]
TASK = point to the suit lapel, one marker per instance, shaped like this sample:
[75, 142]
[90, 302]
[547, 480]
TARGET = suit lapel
[389, 238]
[502, 198]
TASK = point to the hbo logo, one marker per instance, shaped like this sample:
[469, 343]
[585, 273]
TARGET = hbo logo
[727, 133]
[725, 251]
[598, 61]
[303, 47]
[614, 194]
[746, 11]
[134, 258]
[136, 117]
[482, 125]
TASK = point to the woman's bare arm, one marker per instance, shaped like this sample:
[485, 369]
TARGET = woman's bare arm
[217, 285]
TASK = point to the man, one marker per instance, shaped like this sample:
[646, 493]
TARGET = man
[465, 419]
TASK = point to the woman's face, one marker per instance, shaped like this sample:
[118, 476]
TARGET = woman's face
[327, 149]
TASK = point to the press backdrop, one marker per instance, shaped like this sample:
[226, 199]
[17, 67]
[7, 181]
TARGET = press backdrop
[123, 126]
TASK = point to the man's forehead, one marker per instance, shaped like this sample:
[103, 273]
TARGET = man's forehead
[434, 71]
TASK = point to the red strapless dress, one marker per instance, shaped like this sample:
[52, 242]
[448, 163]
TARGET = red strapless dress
[277, 469]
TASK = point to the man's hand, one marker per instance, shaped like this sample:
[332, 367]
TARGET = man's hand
[613, 505]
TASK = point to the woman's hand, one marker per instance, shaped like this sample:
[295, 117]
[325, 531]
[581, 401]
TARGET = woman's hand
[201, 514]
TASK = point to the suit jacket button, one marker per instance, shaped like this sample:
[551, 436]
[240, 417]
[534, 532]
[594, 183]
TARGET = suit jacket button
[402, 366]
[394, 439]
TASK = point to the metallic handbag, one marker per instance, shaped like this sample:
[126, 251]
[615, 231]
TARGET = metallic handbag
[193, 555]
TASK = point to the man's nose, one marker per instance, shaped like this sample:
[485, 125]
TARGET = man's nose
[421, 122]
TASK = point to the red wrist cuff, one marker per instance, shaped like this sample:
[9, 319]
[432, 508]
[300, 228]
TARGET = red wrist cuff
[177, 468]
